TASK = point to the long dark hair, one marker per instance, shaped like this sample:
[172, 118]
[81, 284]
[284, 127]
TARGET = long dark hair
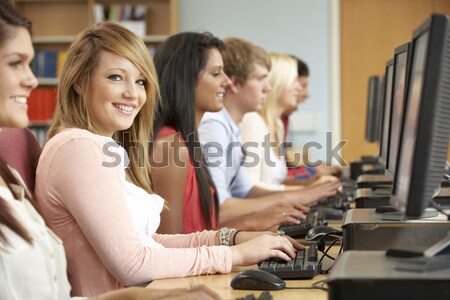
[178, 63]
[10, 20]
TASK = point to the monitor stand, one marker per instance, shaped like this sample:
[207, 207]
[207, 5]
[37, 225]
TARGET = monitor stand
[436, 257]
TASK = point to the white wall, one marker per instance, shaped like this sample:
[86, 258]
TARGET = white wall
[299, 27]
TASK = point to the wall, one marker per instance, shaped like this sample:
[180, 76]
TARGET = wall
[370, 30]
[299, 27]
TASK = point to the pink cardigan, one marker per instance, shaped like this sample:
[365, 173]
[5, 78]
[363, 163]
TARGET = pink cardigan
[85, 205]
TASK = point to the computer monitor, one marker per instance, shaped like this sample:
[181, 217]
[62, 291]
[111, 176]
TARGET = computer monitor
[424, 142]
[401, 68]
[372, 113]
[386, 115]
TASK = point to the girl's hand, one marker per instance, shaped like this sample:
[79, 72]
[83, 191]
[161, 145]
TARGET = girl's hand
[263, 247]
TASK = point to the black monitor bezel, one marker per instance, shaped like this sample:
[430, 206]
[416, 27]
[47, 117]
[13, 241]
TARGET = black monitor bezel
[425, 176]
[386, 121]
[390, 170]
[373, 91]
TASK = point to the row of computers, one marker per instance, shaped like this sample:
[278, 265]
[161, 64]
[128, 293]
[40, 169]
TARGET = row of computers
[409, 114]
[401, 252]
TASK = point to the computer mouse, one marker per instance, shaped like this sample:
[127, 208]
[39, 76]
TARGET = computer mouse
[254, 279]
[316, 233]
[332, 213]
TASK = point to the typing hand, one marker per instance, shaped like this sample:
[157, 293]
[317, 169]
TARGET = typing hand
[264, 247]
[324, 179]
[311, 195]
[272, 217]
[329, 170]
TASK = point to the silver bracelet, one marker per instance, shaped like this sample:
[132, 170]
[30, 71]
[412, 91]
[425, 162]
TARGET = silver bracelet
[225, 235]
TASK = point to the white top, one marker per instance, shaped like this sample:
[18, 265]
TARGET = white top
[145, 208]
[36, 271]
[265, 167]
[220, 139]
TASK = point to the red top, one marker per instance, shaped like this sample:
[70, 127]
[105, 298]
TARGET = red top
[193, 219]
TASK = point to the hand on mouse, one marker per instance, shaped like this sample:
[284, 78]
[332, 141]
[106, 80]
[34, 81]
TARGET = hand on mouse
[264, 247]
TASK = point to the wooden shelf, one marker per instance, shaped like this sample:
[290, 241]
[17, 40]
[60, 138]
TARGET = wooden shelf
[63, 18]
[68, 39]
[56, 24]
[43, 81]
[40, 123]
[155, 38]
[55, 39]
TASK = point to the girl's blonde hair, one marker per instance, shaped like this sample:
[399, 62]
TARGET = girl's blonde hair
[71, 109]
[282, 74]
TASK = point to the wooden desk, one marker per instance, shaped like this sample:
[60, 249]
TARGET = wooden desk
[221, 284]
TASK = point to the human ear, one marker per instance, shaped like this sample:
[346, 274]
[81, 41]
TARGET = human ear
[234, 86]
[77, 88]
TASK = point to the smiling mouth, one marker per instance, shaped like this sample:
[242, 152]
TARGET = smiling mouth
[220, 95]
[20, 99]
[124, 108]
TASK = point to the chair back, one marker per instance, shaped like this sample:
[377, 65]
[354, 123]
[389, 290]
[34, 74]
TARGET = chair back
[20, 149]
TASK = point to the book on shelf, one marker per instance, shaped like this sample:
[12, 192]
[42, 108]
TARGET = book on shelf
[41, 104]
[45, 65]
[62, 55]
[48, 63]
[132, 16]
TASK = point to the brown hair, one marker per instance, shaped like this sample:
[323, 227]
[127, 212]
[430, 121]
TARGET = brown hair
[240, 57]
[10, 20]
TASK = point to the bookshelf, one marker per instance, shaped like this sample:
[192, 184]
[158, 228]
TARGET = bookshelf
[56, 24]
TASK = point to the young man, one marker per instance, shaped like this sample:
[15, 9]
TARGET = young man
[248, 65]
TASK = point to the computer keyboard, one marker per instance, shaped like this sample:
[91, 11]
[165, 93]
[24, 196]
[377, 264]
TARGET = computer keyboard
[305, 265]
[313, 219]
[340, 201]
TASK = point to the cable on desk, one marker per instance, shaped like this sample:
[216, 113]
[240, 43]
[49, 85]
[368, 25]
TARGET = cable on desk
[321, 242]
[439, 208]
[318, 285]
